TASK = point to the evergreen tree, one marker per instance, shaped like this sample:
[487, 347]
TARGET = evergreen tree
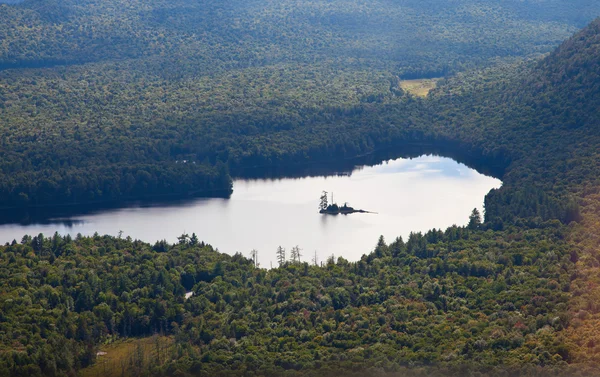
[280, 256]
[474, 219]
[295, 254]
[254, 256]
[194, 239]
[183, 239]
[324, 202]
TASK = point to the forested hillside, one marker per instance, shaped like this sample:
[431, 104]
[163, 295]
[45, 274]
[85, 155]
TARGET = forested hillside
[132, 99]
[146, 98]
[418, 37]
[543, 114]
[455, 301]
[547, 114]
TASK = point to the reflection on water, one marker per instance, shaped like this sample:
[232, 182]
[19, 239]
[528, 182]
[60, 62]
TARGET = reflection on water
[67, 223]
[408, 195]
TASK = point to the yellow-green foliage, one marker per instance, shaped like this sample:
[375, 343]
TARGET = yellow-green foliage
[124, 357]
[420, 87]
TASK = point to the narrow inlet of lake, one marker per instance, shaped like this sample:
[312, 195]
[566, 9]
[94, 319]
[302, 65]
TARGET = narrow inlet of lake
[407, 195]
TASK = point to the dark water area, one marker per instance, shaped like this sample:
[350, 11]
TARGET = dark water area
[263, 213]
[490, 166]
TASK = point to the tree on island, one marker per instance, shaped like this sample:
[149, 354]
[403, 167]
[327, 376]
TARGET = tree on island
[324, 202]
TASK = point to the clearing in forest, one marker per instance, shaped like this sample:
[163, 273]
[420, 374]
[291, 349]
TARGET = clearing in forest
[419, 87]
[123, 357]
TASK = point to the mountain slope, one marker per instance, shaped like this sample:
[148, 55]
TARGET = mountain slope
[422, 35]
[123, 87]
[546, 115]
[517, 294]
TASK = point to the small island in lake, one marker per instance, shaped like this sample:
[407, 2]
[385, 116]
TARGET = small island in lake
[334, 209]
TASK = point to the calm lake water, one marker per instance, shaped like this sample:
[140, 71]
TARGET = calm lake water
[407, 194]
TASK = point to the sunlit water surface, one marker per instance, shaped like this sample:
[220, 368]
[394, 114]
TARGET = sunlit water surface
[407, 194]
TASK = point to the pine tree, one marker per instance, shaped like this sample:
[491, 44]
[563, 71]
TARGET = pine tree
[254, 255]
[474, 219]
[280, 256]
[194, 240]
[324, 203]
[295, 254]
[183, 239]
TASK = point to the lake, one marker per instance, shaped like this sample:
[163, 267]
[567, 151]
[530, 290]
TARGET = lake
[407, 195]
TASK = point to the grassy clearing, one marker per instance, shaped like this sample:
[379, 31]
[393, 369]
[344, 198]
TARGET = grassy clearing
[120, 358]
[420, 87]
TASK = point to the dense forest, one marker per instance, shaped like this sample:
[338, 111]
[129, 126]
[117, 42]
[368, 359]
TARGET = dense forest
[112, 100]
[462, 298]
[109, 100]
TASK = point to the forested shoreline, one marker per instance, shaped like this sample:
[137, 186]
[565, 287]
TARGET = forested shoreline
[434, 299]
[155, 86]
[177, 97]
